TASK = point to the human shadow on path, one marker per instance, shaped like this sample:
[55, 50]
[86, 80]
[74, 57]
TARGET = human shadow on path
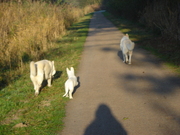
[105, 123]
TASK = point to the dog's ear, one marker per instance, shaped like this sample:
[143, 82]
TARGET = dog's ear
[67, 70]
[72, 70]
[127, 35]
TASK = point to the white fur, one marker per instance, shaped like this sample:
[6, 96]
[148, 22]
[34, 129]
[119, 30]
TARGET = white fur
[39, 71]
[127, 46]
[70, 83]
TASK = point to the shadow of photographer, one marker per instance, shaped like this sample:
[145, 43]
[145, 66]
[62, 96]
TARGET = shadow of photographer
[105, 123]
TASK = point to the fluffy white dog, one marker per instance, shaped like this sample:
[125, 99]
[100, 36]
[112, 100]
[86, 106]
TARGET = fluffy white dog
[70, 83]
[41, 70]
[126, 46]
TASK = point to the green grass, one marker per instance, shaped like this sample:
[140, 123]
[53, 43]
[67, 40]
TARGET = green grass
[43, 114]
[166, 49]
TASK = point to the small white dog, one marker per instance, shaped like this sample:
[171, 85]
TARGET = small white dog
[70, 83]
[126, 46]
[39, 71]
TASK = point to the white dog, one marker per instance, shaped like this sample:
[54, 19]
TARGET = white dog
[70, 83]
[126, 46]
[39, 71]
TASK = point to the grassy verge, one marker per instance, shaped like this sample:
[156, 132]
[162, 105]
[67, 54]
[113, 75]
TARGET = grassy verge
[23, 113]
[166, 49]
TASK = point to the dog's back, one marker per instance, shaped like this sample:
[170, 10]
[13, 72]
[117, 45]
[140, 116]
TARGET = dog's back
[126, 44]
[37, 68]
[45, 67]
[130, 45]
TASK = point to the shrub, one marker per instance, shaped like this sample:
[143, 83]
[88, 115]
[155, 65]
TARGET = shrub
[162, 15]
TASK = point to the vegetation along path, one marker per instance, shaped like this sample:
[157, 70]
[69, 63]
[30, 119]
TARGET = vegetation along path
[114, 98]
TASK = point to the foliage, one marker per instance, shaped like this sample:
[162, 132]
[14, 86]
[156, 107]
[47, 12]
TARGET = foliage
[162, 15]
[127, 8]
[158, 15]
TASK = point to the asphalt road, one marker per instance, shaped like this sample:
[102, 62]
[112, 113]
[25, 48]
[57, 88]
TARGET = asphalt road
[114, 98]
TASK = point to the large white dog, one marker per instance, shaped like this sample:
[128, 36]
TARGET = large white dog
[39, 71]
[126, 46]
[70, 83]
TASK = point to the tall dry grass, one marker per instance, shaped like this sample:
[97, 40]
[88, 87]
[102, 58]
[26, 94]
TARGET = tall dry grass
[28, 30]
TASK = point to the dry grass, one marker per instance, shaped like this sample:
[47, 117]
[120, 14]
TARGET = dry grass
[23, 113]
[27, 32]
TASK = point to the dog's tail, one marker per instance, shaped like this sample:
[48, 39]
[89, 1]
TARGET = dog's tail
[66, 90]
[65, 94]
[130, 46]
[33, 68]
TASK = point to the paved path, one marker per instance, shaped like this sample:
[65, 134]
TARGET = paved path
[120, 99]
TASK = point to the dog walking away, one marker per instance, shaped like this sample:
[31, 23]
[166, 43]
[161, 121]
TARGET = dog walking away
[126, 46]
[39, 71]
[70, 83]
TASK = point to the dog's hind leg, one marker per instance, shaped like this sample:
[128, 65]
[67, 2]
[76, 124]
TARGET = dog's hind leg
[124, 58]
[36, 88]
[130, 59]
[49, 82]
[130, 55]
[70, 93]
[39, 80]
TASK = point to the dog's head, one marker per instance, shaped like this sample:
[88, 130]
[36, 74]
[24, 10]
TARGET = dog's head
[70, 72]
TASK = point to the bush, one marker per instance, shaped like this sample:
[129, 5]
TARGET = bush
[127, 8]
[162, 15]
